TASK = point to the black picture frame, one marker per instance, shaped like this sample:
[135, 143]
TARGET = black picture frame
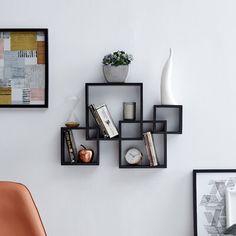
[197, 172]
[46, 89]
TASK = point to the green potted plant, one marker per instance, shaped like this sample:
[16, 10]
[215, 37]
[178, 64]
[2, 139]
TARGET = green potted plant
[116, 66]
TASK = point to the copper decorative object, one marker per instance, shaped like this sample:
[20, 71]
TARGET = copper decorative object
[86, 154]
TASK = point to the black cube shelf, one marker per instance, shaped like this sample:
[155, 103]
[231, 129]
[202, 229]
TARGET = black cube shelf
[167, 119]
[160, 141]
[64, 153]
[101, 92]
[173, 114]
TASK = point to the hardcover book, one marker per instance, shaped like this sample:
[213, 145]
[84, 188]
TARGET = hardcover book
[104, 120]
[69, 139]
[150, 147]
[107, 120]
[98, 120]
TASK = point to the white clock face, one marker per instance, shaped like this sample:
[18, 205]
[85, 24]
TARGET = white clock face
[133, 156]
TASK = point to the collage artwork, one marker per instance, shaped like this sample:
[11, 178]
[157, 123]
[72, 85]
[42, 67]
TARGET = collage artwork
[22, 68]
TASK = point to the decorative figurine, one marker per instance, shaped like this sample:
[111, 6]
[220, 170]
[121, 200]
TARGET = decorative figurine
[72, 121]
[167, 97]
[86, 154]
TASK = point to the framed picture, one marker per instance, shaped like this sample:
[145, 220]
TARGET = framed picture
[24, 67]
[209, 189]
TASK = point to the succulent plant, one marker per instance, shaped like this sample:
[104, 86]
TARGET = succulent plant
[117, 58]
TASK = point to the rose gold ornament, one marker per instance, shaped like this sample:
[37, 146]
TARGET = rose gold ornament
[86, 154]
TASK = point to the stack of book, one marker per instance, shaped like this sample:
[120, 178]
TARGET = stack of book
[104, 120]
[71, 147]
[150, 148]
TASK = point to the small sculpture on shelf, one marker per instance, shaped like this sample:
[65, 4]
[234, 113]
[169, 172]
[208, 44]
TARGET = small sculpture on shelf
[85, 154]
[116, 66]
[72, 121]
[167, 97]
[129, 110]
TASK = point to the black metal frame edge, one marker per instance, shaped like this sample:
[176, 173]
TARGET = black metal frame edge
[45, 105]
[113, 84]
[195, 172]
[120, 144]
[80, 164]
[86, 111]
[165, 150]
[142, 167]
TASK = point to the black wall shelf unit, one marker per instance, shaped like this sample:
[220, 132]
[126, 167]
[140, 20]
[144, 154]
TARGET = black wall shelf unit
[167, 119]
[80, 140]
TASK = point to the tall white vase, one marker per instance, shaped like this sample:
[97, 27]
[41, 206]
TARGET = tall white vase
[167, 97]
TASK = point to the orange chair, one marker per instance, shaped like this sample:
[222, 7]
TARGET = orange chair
[18, 213]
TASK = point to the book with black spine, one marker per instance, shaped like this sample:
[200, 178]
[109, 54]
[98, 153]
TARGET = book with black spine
[72, 139]
[68, 141]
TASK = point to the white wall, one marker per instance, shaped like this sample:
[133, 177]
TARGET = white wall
[105, 200]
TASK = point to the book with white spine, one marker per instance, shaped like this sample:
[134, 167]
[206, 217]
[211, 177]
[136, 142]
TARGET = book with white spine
[98, 120]
[107, 120]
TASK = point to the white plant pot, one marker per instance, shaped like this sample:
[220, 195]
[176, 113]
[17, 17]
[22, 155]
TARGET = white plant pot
[167, 97]
[115, 74]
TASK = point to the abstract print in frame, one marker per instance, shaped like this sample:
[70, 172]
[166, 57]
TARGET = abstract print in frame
[24, 67]
[209, 187]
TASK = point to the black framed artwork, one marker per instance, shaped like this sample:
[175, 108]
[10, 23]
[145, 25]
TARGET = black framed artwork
[24, 67]
[210, 190]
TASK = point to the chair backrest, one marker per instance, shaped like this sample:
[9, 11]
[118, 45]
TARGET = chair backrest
[18, 213]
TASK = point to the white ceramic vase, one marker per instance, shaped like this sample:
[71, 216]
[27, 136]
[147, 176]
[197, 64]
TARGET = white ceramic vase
[167, 97]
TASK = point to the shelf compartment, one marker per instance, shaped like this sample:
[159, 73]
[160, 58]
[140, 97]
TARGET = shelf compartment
[155, 126]
[173, 114]
[133, 130]
[160, 142]
[79, 134]
[130, 130]
[113, 95]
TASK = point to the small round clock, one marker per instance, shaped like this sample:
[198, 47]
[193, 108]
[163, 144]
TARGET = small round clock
[133, 156]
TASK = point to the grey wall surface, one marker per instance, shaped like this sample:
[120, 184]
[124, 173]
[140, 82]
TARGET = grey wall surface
[105, 200]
